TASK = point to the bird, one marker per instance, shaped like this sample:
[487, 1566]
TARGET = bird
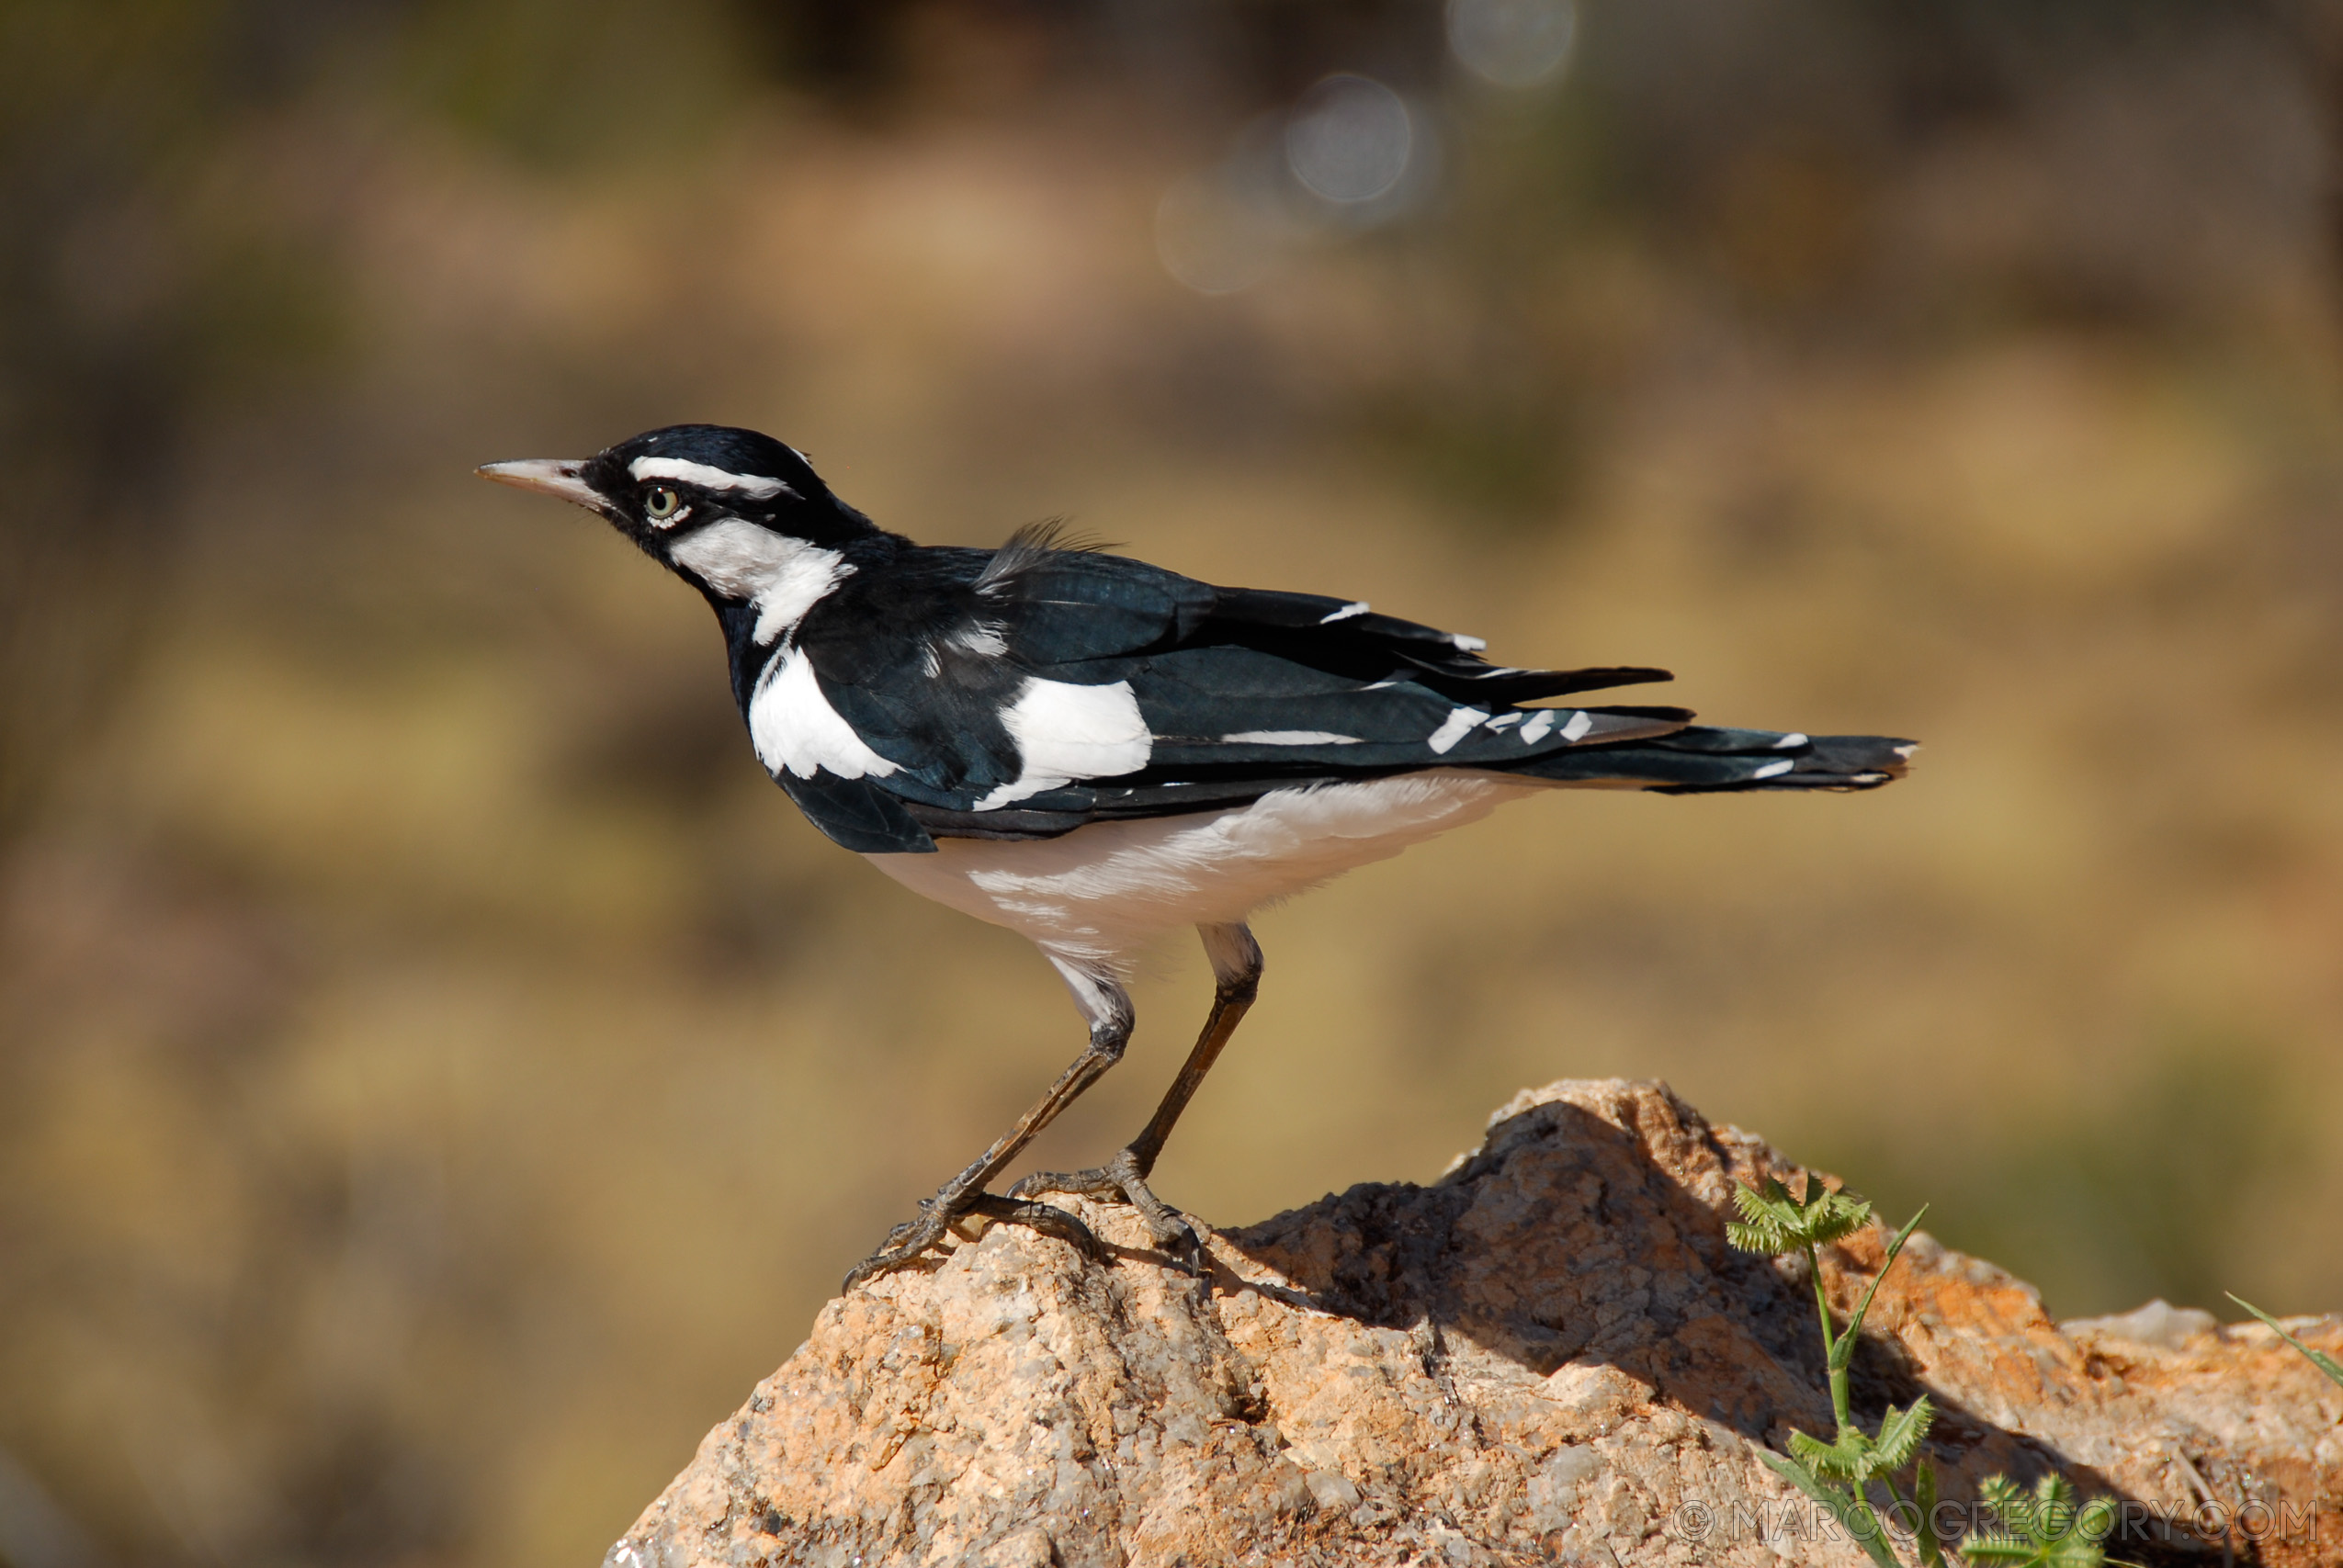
[1094, 752]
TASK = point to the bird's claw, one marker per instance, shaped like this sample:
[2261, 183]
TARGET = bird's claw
[1046, 1218]
[904, 1242]
[1119, 1179]
[913, 1238]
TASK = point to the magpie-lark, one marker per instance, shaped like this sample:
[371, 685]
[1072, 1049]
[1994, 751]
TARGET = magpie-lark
[1092, 751]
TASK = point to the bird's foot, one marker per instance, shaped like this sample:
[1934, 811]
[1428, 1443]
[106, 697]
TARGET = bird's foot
[1120, 1178]
[937, 1214]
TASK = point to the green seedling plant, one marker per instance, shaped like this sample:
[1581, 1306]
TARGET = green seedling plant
[2319, 1359]
[2042, 1529]
[1837, 1474]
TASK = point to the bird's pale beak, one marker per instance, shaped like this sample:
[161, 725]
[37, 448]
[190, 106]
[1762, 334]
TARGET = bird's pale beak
[548, 476]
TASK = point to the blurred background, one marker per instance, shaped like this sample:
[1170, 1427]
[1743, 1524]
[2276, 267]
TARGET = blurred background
[439, 1073]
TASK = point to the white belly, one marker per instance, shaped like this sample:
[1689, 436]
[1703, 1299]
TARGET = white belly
[1098, 894]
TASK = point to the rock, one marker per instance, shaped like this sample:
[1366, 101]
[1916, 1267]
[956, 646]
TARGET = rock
[2159, 1324]
[1548, 1356]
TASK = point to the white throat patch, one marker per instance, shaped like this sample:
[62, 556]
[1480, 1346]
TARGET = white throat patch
[782, 577]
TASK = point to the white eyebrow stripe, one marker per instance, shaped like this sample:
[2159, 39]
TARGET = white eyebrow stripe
[756, 486]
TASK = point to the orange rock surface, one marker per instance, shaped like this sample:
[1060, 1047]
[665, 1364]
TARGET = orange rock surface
[1548, 1356]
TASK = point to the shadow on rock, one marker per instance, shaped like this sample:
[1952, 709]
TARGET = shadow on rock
[1551, 1354]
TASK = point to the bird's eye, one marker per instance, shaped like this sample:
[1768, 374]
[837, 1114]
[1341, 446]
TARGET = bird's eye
[658, 504]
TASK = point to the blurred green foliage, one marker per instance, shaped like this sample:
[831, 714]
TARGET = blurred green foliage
[2132, 1188]
[439, 1073]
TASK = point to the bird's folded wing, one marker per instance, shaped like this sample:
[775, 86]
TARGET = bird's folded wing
[1349, 637]
[1218, 711]
[1032, 696]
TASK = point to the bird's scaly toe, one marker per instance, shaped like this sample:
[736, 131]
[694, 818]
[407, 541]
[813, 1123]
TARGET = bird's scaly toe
[1119, 1179]
[907, 1241]
[1046, 1218]
[1099, 1181]
[888, 1259]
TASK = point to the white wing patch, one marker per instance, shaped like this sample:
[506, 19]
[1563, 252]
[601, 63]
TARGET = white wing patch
[1534, 730]
[1467, 643]
[1789, 742]
[756, 486]
[795, 729]
[1580, 723]
[782, 577]
[1288, 737]
[983, 639]
[1355, 607]
[1066, 732]
[1773, 770]
[1454, 727]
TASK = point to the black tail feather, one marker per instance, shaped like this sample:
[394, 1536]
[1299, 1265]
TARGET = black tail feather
[1708, 760]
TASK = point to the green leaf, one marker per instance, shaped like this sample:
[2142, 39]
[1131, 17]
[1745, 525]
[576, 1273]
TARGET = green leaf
[1773, 1222]
[1899, 1436]
[1841, 1460]
[1854, 1516]
[1765, 1230]
[2001, 1495]
[1924, 1500]
[1834, 1222]
[1757, 1236]
[2319, 1359]
[2041, 1529]
[2055, 1514]
[1855, 1324]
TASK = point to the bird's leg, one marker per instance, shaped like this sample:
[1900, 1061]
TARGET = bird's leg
[1236, 968]
[1108, 1007]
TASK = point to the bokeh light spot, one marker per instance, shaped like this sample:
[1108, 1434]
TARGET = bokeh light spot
[1350, 139]
[1515, 43]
